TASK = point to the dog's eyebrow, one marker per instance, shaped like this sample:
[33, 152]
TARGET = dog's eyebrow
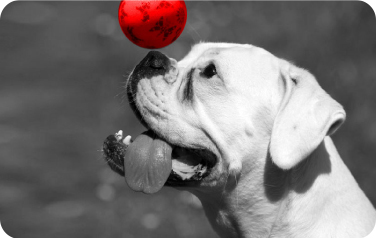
[188, 90]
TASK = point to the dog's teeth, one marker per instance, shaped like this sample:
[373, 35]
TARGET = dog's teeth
[127, 140]
[119, 135]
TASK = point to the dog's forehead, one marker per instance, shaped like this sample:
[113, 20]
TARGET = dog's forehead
[209, 49]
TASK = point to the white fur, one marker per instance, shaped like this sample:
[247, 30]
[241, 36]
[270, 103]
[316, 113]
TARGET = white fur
[278, 174]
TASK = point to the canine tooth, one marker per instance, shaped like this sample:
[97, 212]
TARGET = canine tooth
[127, 140]
[119, 135]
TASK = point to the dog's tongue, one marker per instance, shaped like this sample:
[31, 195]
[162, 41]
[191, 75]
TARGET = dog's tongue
[147, 163]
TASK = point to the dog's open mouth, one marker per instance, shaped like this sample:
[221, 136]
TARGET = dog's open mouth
[149, 163]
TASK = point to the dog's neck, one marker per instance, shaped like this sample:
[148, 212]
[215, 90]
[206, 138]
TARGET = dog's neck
[271, 202]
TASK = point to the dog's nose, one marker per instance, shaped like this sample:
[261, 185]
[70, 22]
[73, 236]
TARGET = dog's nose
[157, 61]
[154, 64]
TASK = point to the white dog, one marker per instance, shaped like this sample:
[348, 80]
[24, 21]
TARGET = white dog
[248, 134]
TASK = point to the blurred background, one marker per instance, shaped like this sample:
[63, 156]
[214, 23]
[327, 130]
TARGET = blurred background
[63, 69]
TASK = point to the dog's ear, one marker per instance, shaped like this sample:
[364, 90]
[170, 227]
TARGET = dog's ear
[306, 115]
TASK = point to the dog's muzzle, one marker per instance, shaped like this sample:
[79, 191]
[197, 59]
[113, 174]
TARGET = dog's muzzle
[154, 64]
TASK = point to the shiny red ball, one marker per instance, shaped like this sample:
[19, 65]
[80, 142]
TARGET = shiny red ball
[152, 24]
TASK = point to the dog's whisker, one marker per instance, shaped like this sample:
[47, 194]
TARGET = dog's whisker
[121, 94]
[269, 185]
[236, 191]
[194, 30]
[224, 188]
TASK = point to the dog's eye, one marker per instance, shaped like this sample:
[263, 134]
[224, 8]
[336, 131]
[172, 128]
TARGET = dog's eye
[209, 71]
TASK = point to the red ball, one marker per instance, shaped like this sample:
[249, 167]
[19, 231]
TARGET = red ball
[152, 24]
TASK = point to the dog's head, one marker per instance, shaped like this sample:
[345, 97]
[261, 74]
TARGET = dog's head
[220, 111]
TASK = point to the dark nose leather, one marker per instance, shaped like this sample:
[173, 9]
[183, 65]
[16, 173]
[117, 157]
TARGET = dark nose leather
[156, 60]
[155, 63]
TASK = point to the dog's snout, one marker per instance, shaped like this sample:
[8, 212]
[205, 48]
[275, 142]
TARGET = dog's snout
[154, 64]
[156, 60]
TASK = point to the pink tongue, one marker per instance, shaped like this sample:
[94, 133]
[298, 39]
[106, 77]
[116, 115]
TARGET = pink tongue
[147, 163]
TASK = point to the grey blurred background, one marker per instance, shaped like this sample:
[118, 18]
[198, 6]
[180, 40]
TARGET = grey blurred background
[63, 68]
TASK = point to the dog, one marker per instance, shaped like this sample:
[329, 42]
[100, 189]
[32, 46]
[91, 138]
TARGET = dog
[248, 133]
